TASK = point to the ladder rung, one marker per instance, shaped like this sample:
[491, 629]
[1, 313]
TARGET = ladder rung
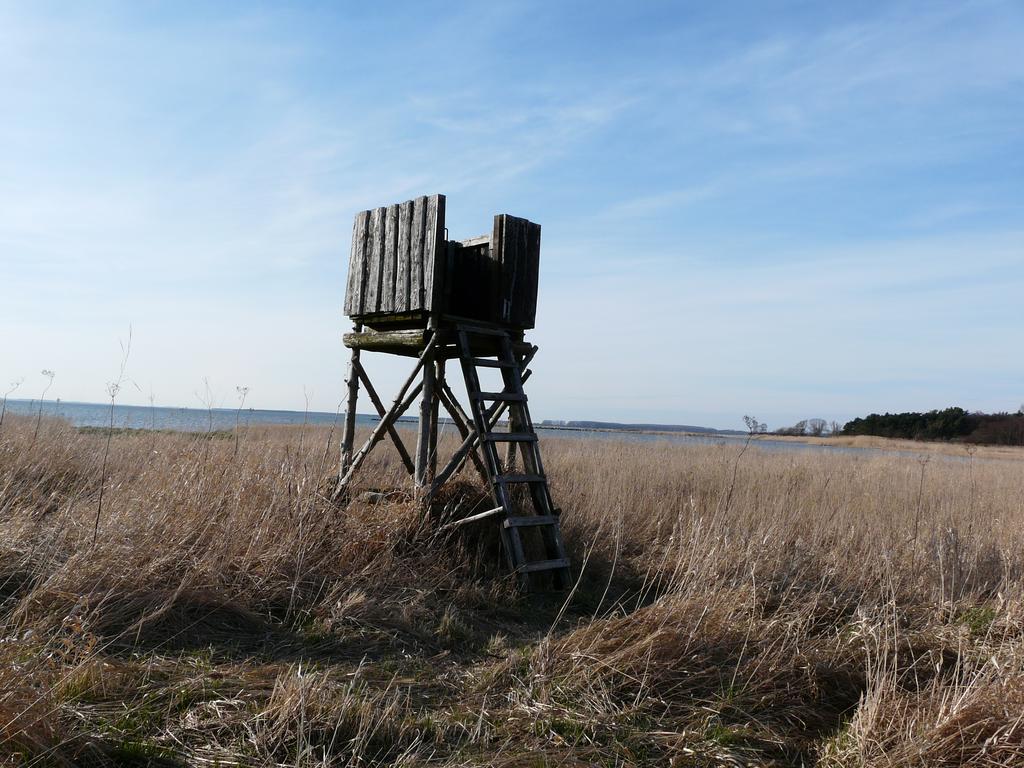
[544, 565]
[519, 479]
[510, 437]
[503, 397]
[484, 362]
[519, 522]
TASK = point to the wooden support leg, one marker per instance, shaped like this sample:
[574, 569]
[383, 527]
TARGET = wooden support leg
[434, 427]
[514, 422]
[425, 427]
[352, 381]
[397, 409]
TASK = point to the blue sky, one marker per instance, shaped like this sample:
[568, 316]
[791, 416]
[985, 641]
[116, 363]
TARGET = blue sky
[785, 209]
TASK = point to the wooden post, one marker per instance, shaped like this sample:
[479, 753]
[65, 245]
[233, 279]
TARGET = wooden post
[434, 429]
[426, 408]
[514, 423]
[352, 381]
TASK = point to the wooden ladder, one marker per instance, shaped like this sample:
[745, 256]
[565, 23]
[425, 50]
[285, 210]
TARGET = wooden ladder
[481, 347]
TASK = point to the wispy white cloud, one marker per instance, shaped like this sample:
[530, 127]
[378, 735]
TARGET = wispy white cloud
[831, 332]
[644, 206]
[784, 209]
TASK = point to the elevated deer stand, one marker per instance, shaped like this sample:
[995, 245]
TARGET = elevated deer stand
[413, 293]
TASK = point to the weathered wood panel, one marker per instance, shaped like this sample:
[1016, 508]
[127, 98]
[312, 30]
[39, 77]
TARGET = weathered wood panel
[515, 247]
[374, 273]
[433, 253]
[357, 265]
[419, 211]
[396, 265]
[404, 257]
[526, 309]
[390, 266]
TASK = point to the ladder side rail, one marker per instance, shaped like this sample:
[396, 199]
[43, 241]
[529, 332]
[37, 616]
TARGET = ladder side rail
[532, 463]
[469, 445]
[508, 356]
[551, 535]
[510, 538]
[493, 414]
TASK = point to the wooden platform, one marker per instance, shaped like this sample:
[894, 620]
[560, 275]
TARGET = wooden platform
[411, 342]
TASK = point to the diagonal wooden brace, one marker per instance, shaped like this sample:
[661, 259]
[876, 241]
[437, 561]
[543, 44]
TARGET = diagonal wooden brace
[462, 423]
[401, 403]
[382, 412]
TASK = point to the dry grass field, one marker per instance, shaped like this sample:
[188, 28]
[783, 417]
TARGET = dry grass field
[960, 450]
[766, 609]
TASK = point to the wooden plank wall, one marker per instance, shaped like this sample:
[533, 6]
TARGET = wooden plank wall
[515, 246]
[396, 259]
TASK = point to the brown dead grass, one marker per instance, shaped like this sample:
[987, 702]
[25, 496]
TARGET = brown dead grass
[774, 608]
[943, 447]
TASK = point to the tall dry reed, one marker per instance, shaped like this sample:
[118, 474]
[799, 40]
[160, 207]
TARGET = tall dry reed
[774, 608]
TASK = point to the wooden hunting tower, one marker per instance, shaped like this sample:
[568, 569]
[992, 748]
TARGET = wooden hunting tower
[411, 291]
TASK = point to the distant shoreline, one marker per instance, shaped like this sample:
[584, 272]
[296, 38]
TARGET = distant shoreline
[641, 431]
[274, 416]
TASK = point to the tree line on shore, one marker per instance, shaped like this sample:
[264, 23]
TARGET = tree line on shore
[955, 424]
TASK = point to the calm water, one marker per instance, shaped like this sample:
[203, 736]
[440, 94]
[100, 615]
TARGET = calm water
[199, 420]
[181, 419]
